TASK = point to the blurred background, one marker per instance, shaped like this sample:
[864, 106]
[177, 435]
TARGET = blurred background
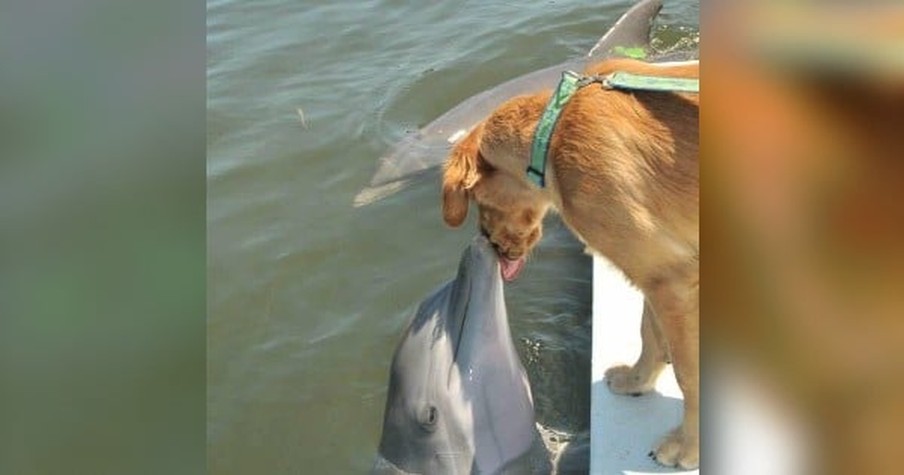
[803, 185]
[102, 225]
[109, 269]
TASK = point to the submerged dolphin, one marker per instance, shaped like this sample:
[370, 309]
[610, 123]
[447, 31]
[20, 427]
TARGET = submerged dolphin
[459, 401]
[429, 146]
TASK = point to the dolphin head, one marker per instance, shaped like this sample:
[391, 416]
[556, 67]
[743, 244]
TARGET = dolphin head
[459, 399]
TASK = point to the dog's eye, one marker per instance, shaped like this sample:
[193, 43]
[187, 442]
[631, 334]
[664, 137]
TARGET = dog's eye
[488, 208]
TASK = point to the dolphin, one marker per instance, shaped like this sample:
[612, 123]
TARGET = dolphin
[459, 401]
[428, 147]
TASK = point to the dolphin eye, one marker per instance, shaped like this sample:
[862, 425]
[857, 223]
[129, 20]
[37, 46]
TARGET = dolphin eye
[428, 417]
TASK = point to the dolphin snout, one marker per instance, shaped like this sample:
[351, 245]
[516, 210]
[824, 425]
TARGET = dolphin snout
[482, 243]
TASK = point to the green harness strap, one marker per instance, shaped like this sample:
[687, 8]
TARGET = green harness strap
[637, 82]
[569, 84]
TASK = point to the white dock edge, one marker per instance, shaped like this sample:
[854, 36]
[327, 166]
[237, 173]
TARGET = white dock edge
[624, 429]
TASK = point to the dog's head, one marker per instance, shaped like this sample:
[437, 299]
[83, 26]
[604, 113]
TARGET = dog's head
[511, 210]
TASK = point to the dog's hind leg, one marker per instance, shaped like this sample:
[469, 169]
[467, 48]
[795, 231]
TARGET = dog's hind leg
[676, 305]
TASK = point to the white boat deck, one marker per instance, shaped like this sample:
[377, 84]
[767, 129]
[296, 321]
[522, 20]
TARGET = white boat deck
[624, 429]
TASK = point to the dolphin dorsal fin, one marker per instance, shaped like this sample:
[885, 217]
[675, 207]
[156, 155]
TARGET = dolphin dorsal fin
[631, 30]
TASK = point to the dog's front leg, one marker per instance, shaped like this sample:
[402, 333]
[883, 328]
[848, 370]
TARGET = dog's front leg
[641, 377]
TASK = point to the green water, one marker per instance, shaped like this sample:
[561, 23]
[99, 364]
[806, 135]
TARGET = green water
[307, 294]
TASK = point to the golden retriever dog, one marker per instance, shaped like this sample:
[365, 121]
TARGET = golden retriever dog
[622, 172]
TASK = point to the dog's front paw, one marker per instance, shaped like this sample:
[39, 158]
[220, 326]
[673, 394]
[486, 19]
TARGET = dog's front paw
[678, 450]
[626, 379]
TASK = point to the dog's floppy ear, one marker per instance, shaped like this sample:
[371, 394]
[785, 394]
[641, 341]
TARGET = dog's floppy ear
[461, 173]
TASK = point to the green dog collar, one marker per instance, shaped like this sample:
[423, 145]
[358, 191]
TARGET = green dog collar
[536, 170]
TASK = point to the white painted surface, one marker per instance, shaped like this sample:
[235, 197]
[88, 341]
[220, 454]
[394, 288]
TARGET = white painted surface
[625, 429]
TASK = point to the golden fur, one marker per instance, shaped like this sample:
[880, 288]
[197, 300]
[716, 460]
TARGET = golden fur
[623, 174]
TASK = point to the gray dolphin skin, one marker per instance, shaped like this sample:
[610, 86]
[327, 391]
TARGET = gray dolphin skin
[428, 147]
[459, 401]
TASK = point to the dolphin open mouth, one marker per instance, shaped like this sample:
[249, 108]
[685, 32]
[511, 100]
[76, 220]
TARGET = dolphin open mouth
[510, 268]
